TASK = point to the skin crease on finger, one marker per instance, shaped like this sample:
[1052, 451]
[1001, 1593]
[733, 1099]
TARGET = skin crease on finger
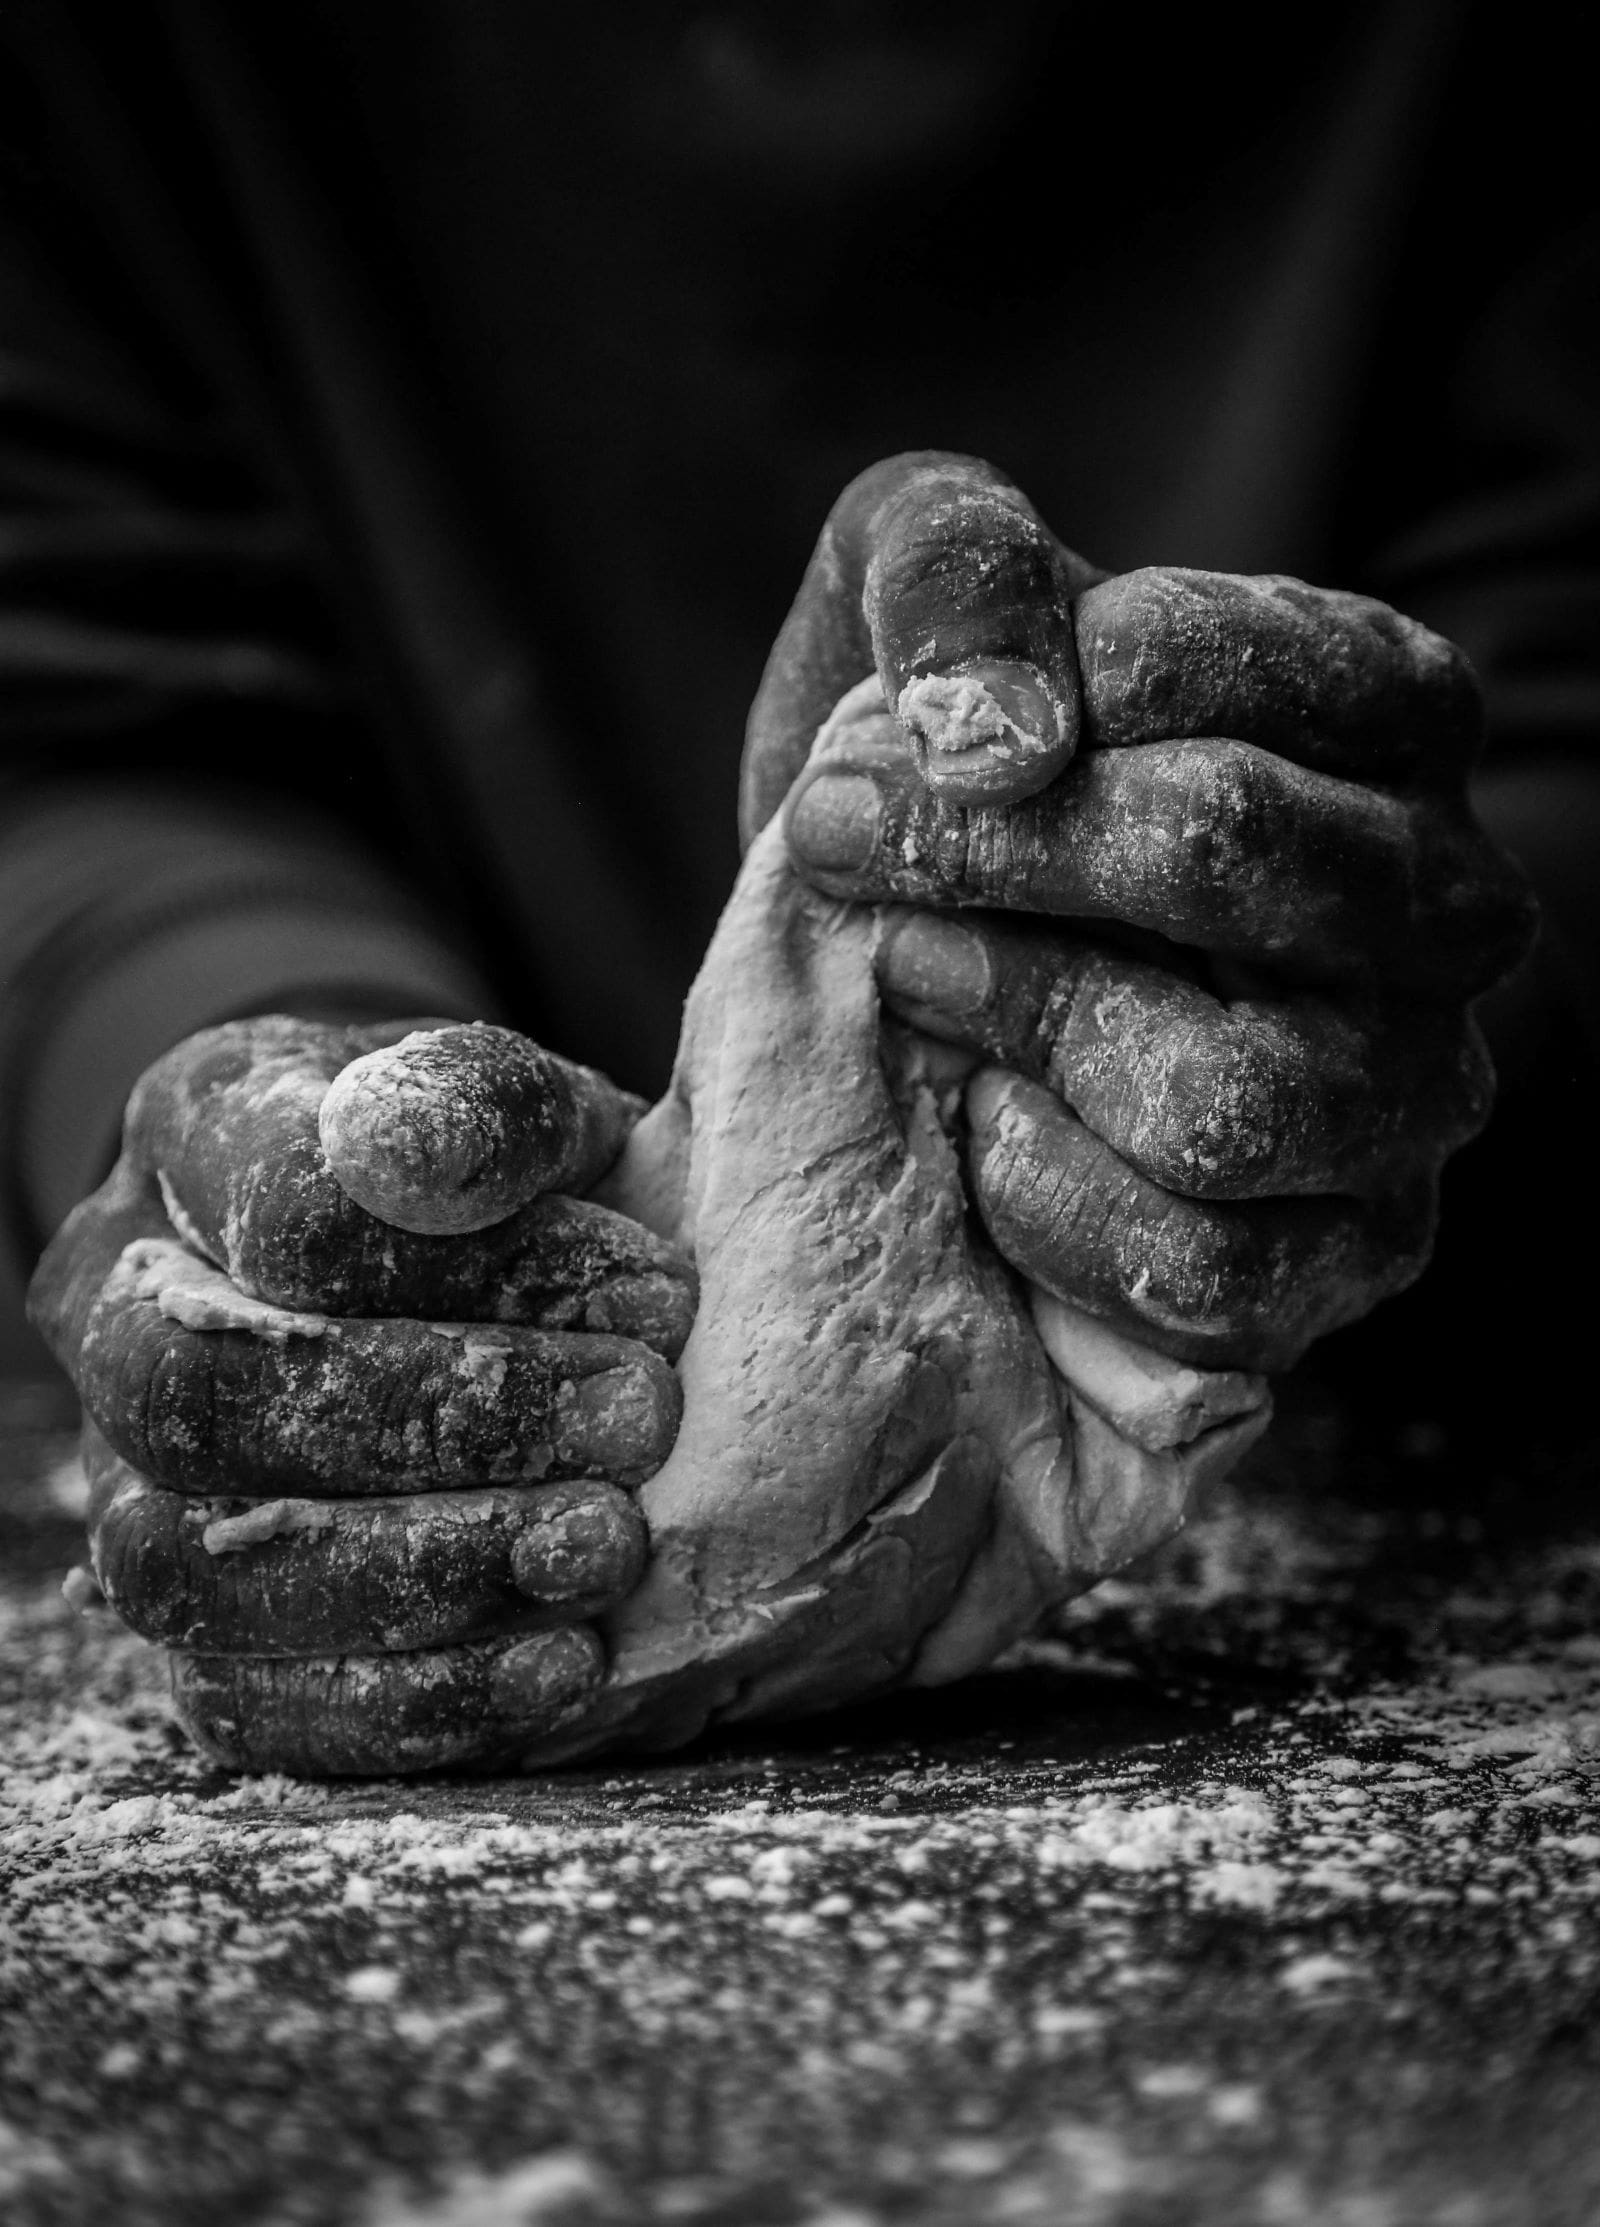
[355, 1716]
[1235, 1286]
[1212, 844]
[312, 1577]
[204, 1388]
[1248, 1097]
[355, 1406]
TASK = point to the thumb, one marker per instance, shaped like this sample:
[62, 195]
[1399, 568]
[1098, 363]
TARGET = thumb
[452, 1129]
[936, 573]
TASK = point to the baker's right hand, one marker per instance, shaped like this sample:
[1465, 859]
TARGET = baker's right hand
[1188, 862]
[368, 1473]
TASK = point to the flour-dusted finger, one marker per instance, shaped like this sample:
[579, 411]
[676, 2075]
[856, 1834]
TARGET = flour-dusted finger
[381, 1716]
[1250, 1096]
[202, 1388]
[295, 1576]
[228, 1125]
[1216, 845]
[1334, 681]
[454, 1128]
[1239, 1285]
[936, 573]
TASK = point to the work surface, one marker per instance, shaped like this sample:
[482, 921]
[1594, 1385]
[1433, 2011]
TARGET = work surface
[1266, 1892]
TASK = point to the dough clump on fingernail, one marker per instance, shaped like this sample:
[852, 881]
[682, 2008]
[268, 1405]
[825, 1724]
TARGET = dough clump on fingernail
[952, 713]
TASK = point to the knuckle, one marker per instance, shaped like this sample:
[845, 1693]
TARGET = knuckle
[1231, 804]
[1146, 640]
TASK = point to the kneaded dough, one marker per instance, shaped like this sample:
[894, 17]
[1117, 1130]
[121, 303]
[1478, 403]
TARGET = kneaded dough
[889, 1467]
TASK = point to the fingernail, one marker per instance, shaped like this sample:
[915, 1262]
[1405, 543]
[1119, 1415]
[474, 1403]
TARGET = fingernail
[989, 1098]
[929, 961]
[834, 825]
[588, 1546]
[535, 1682]
[1003, 709]
[620, 1421]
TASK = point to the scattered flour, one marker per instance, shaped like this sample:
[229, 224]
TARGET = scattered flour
[563, 2188]
[985, 1909]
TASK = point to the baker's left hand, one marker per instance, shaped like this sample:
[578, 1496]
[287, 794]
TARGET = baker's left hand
[369, 1388]
[1224, 905]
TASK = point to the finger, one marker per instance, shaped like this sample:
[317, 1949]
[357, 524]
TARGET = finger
[373, 1716]
[1218, 846]
[934, 571]
[228, 1122]
[1217, 1098]
[1244, 1285]
[204, 1388]
[1335, 682]
[323, 1577]
[454, 1128]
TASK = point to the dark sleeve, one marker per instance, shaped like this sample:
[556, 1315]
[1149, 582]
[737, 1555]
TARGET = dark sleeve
[191, 800]
[1507, 560]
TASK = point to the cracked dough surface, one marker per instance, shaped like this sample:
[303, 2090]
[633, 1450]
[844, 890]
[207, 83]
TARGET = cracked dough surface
[883, 1474]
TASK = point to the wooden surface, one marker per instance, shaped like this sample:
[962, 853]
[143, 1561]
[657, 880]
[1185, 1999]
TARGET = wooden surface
[1265, 1892]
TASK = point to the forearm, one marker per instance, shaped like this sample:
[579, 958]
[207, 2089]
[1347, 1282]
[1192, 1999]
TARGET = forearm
[128, 919]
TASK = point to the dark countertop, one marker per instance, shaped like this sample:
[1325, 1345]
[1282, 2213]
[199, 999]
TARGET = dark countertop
[1268, 1891]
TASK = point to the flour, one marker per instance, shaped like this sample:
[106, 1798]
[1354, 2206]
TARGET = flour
[191, 1292]
[268, 1519]
[854, 1925]
[955, 713]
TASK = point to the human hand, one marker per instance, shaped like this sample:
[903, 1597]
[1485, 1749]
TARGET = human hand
[894, 1458]
[1224, 904]
[371, 1483]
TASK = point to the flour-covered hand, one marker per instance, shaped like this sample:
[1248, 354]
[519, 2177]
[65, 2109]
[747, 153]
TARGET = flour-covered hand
[1222, 918]
[372, 1483]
